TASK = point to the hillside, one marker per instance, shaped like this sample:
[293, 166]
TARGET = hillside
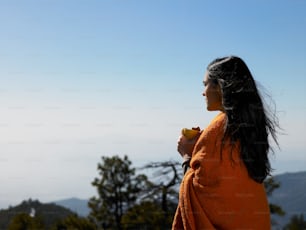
[49, 213]
[290, 196]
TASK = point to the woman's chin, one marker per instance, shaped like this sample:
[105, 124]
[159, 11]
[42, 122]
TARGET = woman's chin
[210, 108]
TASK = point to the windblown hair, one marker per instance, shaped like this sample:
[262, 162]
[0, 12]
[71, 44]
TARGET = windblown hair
[248, 122]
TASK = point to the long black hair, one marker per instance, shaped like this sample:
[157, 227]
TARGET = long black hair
[248, 121]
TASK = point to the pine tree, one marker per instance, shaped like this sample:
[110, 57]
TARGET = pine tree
[118, 189]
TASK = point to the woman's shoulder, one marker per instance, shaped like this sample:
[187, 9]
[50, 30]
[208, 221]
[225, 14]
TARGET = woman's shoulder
[213, 131]
[219, 117]
[218, 122]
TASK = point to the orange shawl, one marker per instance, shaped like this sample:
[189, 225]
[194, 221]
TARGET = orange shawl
[216, 192]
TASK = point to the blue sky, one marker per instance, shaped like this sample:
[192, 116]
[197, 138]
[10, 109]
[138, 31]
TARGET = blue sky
[82, 79]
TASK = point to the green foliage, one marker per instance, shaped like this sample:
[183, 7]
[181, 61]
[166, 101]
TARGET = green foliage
[146, 215]
[296, 223]
[276, 209]
[118, 189]
[166, 175]
[24, 221]
[75, 222]
[270, 185]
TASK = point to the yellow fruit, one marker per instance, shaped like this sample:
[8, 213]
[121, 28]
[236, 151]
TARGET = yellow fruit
[189, 133]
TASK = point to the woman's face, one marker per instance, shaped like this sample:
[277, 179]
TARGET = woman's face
[213, 95]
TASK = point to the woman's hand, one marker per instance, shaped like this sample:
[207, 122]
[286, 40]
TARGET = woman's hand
[185, 146]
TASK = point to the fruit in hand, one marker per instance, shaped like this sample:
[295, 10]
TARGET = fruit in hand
[190, 133]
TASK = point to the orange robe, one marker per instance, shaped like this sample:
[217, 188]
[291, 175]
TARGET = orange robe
[216, 192]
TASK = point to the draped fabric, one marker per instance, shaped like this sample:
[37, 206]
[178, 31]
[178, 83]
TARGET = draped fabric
[216, 192]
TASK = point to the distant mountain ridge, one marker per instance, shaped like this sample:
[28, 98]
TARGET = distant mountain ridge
[79, 206]
[291, 196]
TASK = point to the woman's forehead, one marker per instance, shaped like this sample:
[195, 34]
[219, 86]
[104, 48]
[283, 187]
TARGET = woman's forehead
[205, 76]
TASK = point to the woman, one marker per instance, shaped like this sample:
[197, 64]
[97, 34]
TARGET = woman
[223, 189]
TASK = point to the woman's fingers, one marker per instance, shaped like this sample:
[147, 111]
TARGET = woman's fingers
[185, 146]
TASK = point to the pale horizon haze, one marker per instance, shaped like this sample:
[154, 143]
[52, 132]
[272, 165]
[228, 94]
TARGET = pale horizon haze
[84, 79]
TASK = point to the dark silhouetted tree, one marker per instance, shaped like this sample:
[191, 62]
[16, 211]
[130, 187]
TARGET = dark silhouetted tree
[164, 190]
[118, 190]
[296, 223]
